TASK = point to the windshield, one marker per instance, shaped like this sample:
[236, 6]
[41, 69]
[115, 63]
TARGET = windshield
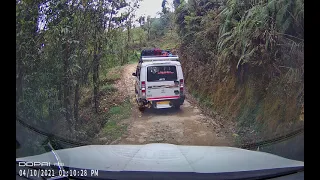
[161, 73]
[80, 79]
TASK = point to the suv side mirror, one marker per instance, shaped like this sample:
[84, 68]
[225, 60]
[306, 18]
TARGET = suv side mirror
[134, 74]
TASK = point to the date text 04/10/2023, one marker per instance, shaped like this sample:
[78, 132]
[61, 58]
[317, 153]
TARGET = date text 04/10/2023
[53, 173]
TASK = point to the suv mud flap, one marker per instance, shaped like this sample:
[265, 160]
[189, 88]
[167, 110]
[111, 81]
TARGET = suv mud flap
[143, 103]
[181, 99]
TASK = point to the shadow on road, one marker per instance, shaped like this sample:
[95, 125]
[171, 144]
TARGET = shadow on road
[165, 111]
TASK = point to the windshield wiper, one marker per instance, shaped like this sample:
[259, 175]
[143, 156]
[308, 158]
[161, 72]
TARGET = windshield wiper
[23, 172]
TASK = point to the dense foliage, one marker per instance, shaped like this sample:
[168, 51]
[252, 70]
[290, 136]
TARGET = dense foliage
[61, 47]
[247, 57]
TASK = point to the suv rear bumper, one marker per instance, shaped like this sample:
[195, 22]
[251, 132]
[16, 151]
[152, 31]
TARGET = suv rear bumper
[173, 102]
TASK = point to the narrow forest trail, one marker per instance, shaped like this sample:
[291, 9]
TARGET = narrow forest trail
[187, 126]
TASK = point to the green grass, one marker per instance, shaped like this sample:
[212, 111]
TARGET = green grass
[114, 76]
[202, 99]
[113, 128]
[108, 88]
[111, 74]
[115, 110]
[133, 62]
[121, 111]
[134, 58]
[195, 94]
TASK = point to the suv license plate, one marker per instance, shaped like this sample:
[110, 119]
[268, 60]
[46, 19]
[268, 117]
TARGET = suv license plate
[163, 102]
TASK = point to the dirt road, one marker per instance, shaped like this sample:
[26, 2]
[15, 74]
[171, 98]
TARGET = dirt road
[187, 126]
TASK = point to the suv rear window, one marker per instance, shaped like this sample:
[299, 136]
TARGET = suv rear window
[161, 73]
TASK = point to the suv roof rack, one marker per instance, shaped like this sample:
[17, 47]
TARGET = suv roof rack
[159, 58]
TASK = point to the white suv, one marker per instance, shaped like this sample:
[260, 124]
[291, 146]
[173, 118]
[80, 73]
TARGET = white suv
[159, 82]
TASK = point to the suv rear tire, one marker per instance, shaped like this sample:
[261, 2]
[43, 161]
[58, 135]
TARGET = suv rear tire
[176, 107]
[141, 108]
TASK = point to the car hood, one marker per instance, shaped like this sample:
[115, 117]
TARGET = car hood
[164, 158]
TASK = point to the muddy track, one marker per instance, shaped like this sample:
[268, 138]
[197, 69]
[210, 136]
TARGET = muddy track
[187, 126]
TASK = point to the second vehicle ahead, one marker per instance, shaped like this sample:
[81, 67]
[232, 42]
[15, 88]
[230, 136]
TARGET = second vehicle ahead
[159, 81]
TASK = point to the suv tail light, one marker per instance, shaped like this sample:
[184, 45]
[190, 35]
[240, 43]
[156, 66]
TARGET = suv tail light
[181, 86]
[143, 88]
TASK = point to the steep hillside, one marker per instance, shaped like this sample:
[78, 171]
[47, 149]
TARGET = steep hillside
[246, 61]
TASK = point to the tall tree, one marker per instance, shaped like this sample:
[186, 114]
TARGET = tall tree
[176, 3]
[164, 6]
[59, 44]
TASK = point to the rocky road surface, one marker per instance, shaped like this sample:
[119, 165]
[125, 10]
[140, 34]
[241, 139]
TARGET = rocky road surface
[187, 126]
